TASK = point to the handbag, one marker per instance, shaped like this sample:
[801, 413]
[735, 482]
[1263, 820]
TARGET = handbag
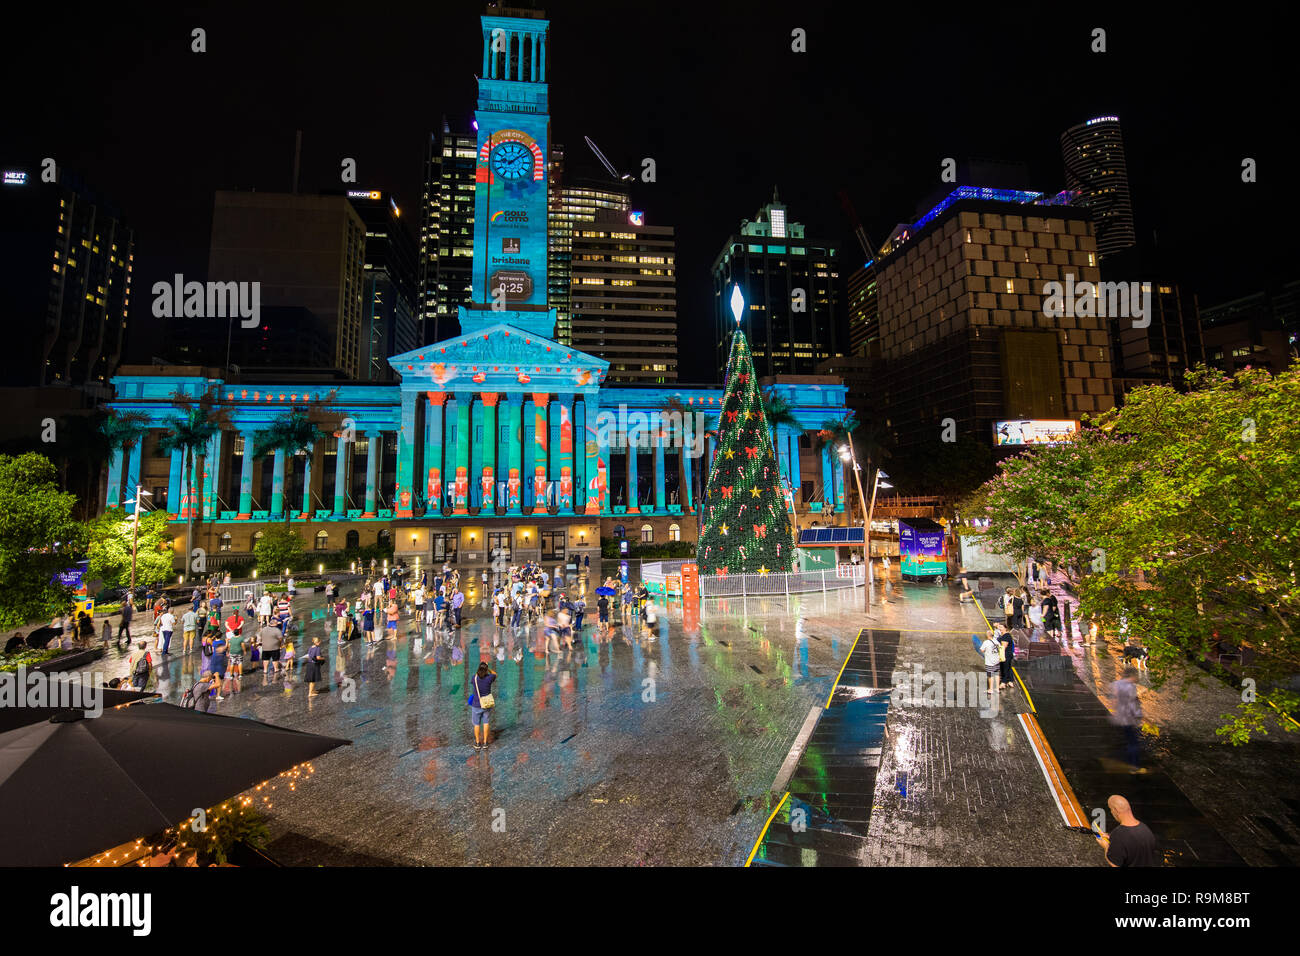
[486, 701]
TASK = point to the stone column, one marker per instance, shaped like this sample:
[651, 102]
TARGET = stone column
[633, 437]
[514, 482]
[405, 497]
[307, 472]
[174, 481]
[599, 466]
[488, 476]
[373, 438]
[113, 496]
[463, 439]
[133, 470]
[212, 475]
[796, 480]
[580, 457]
[341, 453]
[476, 441]
[433, 471]
[562, 452]
[277, 485]
[685, 477]
[828, 479]
[539, 453]
[660, 490]
[246, 475]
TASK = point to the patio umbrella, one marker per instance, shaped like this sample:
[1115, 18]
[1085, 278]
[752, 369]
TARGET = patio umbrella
[11, 718]
[608, 592]
[70, 788]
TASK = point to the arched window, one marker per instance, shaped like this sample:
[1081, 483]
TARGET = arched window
[353, 539]
[257, 536]
[647, 534]
[322, 541]
[385, 539]
[620, 531]
[225, 542]
[674, 532]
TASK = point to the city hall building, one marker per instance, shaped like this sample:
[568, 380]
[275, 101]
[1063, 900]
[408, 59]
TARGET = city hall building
[500, 441]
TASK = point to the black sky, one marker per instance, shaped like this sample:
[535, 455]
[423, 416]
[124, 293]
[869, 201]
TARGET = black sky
[712, 92]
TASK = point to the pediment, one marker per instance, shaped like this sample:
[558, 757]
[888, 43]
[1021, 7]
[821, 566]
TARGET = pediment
[499, 357]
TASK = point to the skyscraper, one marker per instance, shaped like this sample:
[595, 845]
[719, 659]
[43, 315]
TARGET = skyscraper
[75, 255]
[570, 204]
[624, 296]
[388, 323]
[792, 297]
[1095, 167]
[446, 231]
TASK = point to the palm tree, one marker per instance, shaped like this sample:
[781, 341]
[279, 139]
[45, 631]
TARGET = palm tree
[189, 434]
[295, 431]
[121, 432]
[835, 432]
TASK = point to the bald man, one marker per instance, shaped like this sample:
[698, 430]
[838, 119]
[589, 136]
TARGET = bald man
[1131, 843]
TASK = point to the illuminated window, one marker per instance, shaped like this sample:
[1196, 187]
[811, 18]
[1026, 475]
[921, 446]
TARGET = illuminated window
[647, 534]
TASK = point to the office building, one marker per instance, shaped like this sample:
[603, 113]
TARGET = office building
[73, 257]
[791, 286]
[624, 295]
[863, 310]
[1161, 346]
[446, 231]
[571, 204]
[307, 252]
[388, 322]
[1261, 330]
[1095, 167]
[964, 334]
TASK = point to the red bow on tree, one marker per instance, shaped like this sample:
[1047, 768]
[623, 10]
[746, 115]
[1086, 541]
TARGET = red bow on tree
[752, 453]
[722, 572]
[760, 530]
[726, 490]
[742, 377]
[731, 416]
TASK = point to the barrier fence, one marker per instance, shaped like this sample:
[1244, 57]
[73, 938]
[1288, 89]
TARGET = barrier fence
[795, 582]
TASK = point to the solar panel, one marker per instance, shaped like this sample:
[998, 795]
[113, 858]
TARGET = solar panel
[839, 535]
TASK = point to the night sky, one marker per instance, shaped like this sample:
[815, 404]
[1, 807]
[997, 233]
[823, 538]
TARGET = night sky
[711, 91]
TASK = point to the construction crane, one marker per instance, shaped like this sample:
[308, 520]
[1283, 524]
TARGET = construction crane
[622, 177]
[861, 233]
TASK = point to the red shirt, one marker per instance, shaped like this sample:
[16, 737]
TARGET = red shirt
[235, 624]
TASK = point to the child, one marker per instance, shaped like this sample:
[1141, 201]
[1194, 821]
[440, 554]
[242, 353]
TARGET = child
[287, 659]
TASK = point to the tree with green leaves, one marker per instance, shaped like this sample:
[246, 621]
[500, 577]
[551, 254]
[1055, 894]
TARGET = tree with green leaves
[119, 432]
[109, 540]
[279, 547]
[39, 537]
[745, 527]
[294, 431]
[200, 418]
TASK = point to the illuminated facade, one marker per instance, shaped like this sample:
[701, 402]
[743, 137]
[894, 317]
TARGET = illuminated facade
[498, 440]
[1095, 166]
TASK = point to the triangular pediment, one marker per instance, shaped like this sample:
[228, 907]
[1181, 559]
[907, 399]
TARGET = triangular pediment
[499, 358]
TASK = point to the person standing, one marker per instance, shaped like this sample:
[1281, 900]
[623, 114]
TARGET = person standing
[1128, 714]
[991, 649]
[1131, 843]
[270, 637]
[140, 666]
[368, 624]
[189, 625]
[481, 701]
[264, 609]
[457, 602]
[1008, 607]
[312, 668]
[602, 610]
[1017, 609]
[390, 625]
[1006, 657]
[167, 624]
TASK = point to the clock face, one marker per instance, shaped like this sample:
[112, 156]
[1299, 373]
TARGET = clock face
[512, 161]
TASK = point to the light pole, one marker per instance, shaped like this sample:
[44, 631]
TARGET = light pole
[846, 454]
[135, 533]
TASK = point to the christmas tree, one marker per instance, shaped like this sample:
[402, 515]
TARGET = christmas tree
[745, 528]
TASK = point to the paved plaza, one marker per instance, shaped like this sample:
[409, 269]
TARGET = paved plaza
[673, 751]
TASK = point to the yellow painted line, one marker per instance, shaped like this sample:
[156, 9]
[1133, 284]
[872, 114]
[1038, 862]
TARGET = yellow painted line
[1062, 793]
[1025, 689]
[1287, 716]
[754, 852]
[844, 665]
[923, 630]
[980, 608]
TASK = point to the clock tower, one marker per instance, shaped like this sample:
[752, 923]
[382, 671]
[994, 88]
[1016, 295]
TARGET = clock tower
[510, 182]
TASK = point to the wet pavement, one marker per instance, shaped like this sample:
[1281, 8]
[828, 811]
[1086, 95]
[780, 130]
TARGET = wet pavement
[626, 751]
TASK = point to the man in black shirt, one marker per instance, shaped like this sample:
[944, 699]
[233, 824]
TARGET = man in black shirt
[1131, 843]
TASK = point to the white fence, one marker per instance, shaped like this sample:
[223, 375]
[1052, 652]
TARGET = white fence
[796, 582]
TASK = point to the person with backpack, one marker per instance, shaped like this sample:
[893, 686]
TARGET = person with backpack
[1008, 607]
[141, 666]
[1128, 715]
[199, 697]
[991, 649]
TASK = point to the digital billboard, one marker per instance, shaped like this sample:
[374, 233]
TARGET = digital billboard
[922, 548]
[1033, 431]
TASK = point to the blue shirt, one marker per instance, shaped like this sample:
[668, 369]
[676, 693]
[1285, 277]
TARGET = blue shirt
[483, 683]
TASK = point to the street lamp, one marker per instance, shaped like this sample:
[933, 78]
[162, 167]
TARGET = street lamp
[135, 532]
[875, 485]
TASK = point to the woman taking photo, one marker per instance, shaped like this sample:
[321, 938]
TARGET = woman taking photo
[481, 703]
